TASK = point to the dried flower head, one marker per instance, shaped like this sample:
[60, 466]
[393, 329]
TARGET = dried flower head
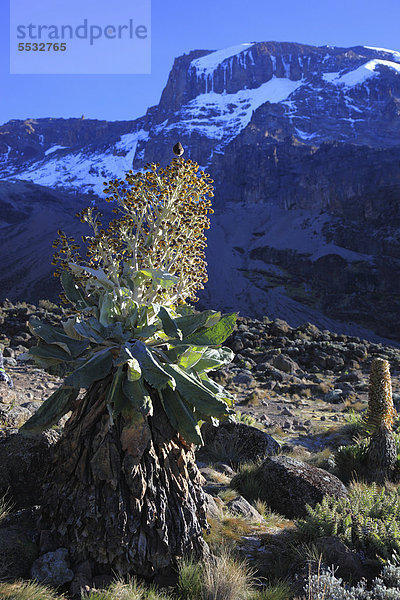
[160, 223]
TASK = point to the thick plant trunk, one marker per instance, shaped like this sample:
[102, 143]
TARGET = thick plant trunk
[129, 498]
[382, 455]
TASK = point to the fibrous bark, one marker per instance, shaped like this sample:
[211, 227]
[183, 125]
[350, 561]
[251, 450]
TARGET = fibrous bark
[127, 496]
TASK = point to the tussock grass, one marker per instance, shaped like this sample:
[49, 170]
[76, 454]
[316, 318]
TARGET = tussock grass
[6, 507]
[271, 518]
[190, 580]
[277, 591]
[119, 590]
[27, 590]
[227, 529]
[226, 578]
[245, 481]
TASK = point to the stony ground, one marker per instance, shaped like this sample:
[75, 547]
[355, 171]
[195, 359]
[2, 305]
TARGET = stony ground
[298, 383]
[301, 385]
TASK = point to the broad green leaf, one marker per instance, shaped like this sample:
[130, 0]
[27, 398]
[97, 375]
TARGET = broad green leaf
[216, 334]
[116, 398]
[98, 274]
[43, 350]
[190, 357]
[138, 396]
[217, 389]
[145, 332]
[213, 358]
[56, 336]
[181, 417]
[152, 370]
[68, 327]
[196, 393]
[169, 325]
[84, 329]
[96, 367]
[184, 310]
[190, 323]
[73, 291]
[164, 280]
[105, 304]
[174, 353]
[134, 371]
[51, 411]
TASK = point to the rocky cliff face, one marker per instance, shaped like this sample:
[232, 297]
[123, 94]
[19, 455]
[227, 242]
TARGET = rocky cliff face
[303, 143]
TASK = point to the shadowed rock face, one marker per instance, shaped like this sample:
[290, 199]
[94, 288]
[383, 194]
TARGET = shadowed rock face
[303, 136]
[288, 485]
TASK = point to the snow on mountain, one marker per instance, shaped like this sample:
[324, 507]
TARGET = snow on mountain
[360, 75]
[311, 93]
[86, 171]
[54, 149]
[206, 65]
[223, 116]
[395, 54]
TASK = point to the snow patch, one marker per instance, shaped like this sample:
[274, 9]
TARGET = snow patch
[86, 172]
[223, 116]
[361, 74]
[394, 53]
[54, 149]
[304, 134]
[206, 65]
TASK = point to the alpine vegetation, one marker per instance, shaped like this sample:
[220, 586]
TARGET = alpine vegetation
[123, 490]
[373, 456]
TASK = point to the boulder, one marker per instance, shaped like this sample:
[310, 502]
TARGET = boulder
[240, 506]
[237, 442]
[285, 364]
[23, 462]
[53, 568]
[279, 327]
[18, 544]
[288, 485]
[348, 562]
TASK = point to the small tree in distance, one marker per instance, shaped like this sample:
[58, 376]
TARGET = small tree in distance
[123, 489]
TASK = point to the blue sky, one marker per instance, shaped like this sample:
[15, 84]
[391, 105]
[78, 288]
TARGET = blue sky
[178, 26]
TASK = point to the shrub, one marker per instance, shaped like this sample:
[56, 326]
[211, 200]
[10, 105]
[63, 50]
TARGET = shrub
[245, 481]
[351, 460]
[190, 584]
[367, 520]
[325, 586]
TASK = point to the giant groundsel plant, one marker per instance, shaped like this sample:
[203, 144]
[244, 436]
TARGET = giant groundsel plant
[129, 298]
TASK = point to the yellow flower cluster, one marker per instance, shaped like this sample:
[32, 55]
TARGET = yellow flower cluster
[160, 223]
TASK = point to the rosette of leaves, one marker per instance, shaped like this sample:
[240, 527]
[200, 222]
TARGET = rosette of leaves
[168, 350]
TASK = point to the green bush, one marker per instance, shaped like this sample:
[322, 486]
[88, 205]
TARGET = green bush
[367, 520]
[325, 586]
[351, 460]
[245, 482]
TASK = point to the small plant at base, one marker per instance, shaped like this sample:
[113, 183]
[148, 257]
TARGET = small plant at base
[27, 590]
[5, 508]
[367, 520]
[190, 580]
[245, 481]
[226, 578]
[246, 419]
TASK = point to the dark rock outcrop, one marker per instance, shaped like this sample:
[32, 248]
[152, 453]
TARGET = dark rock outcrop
[288, 485]
[23, 462]
[236, 442]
